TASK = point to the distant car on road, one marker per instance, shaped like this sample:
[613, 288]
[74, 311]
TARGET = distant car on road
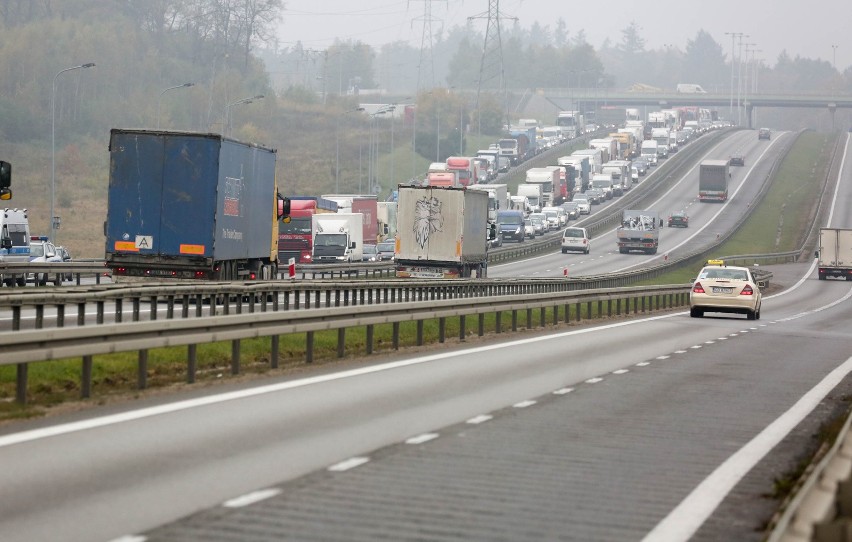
[386, 250]
[737, 160]
[575, 240]
[43, 251]
[763, 133]
[679, 219]
[370, 254]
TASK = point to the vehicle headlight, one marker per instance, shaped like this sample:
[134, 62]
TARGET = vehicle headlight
[518, 230]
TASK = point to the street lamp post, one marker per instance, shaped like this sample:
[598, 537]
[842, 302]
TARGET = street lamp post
[53, 145]
[227, 119]
[733, 59]
[834, 56]
[337, 153]
[161, 96]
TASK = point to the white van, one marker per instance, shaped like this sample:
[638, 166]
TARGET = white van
[690, 88]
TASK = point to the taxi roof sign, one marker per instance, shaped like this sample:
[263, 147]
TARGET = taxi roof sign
[715, 262]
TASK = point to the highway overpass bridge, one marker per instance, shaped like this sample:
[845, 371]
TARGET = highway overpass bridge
[591, 98]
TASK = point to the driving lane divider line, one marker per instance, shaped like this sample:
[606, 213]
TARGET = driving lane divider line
[348, 464]
[524, 404]
[563, 391]
[482, 418]
[420, 439]
[251, 498]
[594, 380]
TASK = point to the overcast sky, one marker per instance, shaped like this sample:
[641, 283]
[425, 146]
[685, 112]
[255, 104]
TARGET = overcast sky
[807, 29]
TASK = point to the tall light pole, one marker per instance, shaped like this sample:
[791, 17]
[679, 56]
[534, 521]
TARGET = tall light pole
[228, 107]
[161, 96]
[834, 57]
[740, 77]
[53, 145]
[734, 36]
[337, 154]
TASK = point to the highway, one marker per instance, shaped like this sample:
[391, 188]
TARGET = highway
[660, 428]
[706, 220]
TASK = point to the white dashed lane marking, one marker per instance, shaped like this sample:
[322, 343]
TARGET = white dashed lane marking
[420, 439]
[524, 404]
[251, 498]
[349, 464]
[482, 418]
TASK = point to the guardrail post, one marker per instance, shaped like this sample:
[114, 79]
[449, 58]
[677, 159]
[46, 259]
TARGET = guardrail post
[499, 322]
[60, 315]
[589, 310]
[309, 347]
[341, 342]
[274, 347]
[395, 336]
[481, 331]
[16, 318]
[170, 307]
[199, 304]
[370, 330]
[184, 306]
[86, 378]
[642, 299]
[609, 307]
[618, 307]
[22, 376]
[442, 329]
[135, 302]
[529, 319]
[514, 320]
[462, 331]
[556, 315]
[142, 370]
[153, 309]
[346, 297]
[235, 357]
[191, 363]
[297, 299]
[39, 321]
[578, 311]
[81, 313]
[419, 332]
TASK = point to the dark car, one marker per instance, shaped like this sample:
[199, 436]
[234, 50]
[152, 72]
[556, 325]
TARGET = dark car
[572, 209]
[737, 160]
[641, 166]
[678, 219]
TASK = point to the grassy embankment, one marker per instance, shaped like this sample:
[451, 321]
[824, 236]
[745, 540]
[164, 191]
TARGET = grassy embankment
[777, 225]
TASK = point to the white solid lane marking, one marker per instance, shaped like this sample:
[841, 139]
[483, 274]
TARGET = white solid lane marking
[482, 418]
[251, 498]
[524, 404]
[563, 391]
[350, 463]
[420, 439]
[693, 511]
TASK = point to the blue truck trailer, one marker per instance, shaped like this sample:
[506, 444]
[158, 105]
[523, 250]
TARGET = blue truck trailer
[191, 206]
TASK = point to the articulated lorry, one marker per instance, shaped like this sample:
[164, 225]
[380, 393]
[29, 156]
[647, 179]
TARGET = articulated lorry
[639, 231]
[713, 178]
[338, 238]
[498, 198]
[835, 253]
[442, 233]
[295, 239]
[191, 206]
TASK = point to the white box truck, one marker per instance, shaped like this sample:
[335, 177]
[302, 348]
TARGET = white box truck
[498, 198]
[338, 237]
[533, 193]
[442, 233]
[648, 151]
[549, 177]
[835, 253]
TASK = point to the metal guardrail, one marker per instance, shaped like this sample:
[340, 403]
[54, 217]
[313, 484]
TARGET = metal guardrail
[28, 346]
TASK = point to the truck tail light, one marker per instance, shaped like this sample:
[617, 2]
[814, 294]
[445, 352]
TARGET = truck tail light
[698, 289]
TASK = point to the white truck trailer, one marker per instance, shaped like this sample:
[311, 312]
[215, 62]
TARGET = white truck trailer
[835, 253]
[442, 233]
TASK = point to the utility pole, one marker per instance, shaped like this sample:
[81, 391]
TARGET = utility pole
[425, 35]
[491, 63]
[740, 77]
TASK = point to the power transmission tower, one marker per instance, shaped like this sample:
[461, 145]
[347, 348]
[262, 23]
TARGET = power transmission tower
[427, 34]
[491, 66]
